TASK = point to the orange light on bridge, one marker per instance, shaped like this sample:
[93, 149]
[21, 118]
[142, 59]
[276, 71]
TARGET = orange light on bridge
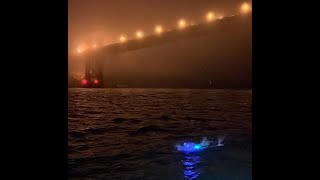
[139, 34]
[210, 16]
[123, 38]
[182, 23]
[158, 29]
[245, 8]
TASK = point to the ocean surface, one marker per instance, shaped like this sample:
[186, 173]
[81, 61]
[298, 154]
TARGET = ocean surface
[133, 133]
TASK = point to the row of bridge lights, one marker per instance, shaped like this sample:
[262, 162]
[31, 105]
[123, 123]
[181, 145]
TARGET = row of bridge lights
[210, 16]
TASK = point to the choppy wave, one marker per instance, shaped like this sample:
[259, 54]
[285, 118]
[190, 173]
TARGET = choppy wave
[137, 139]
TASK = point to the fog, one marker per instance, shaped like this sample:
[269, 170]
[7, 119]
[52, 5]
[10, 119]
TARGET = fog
[221, 53]
[194, 61]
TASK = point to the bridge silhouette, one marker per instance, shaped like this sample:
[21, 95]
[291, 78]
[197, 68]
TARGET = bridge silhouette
[224, 45]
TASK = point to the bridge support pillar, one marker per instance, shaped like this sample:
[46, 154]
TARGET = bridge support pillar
[93, 75]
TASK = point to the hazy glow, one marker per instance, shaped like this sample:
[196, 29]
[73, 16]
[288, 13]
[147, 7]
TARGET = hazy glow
[84, 82]
[84, 34]
[182, 23]
[210, 16]
[139, 34]
[123, 38]
[245, 8]
[95, 81]
[158, 29]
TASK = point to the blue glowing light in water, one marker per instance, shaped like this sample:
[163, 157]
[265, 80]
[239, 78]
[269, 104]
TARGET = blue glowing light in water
[189, 147]
[191, 169]
[197, 146]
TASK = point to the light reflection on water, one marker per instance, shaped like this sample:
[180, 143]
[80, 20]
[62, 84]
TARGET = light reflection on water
[191, 170]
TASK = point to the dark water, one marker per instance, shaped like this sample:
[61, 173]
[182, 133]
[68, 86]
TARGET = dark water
[132, 133]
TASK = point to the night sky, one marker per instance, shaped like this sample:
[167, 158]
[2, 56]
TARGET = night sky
[103, 21]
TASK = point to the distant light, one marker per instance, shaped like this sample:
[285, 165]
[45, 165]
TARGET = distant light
[95, 81]
[182, 23]
[79, 50]
[210, 16]
[245, 8]
[158, 29]
[139, 34]
[94, 45]
[84, 82]
[123, 38]
[220, 17]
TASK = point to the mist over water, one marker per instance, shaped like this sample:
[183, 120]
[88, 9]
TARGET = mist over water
[132, 133]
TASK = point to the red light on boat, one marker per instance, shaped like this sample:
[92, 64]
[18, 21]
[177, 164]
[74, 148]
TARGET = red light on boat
[95, 81]
[84, 82]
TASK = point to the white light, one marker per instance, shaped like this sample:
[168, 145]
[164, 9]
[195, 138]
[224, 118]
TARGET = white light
[182, 23]
[158, 29]
[123, 39]
[245, 8]
[139, 34]
[210, 16]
